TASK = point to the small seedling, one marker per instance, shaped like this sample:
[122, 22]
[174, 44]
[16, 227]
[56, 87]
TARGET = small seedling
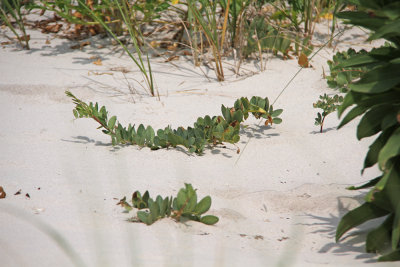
[184, 205]
[328, 104]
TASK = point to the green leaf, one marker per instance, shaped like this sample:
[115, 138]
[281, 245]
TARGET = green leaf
[357, 216]
[118, 136]
[377, 238]
[149, 135]
[209, 219]
[125, 204]
[164, 207]
[191, 198]
[390, 150]
[154, 210]
[355, 112]
[392, 188]
[203, 206]
[370, 183]
[111, 122]
[226, 113]
[348, 101]
[375, 148]
[145, 198]
[378, 80]
[144, 217]
[238, 116]
[277, 120]
[360, 60]
[396, 229]
[389, 30]
[370, 123]
[276, 112]
[392, 256]
[181, 199]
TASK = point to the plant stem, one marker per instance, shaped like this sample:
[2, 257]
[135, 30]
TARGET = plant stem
[322, 123]
[225, 23]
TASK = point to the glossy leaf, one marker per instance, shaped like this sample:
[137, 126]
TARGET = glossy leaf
[378, 80]
[390, 150]
[354, 113]
[357, 216]
[370, 123]
[375, 148]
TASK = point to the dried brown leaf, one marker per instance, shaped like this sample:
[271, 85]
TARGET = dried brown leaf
[2, 193]
[172, 47]
[98, 62]
[172, 58]
[303, 60]
[25, 38]
[55, 28]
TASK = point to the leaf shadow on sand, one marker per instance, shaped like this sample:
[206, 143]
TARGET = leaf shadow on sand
[257, 132]
[87, 140]
[352, 241]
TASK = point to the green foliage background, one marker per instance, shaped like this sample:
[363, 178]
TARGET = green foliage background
[376, 97]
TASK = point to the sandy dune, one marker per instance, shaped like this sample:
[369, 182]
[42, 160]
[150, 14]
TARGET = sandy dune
[278, 204]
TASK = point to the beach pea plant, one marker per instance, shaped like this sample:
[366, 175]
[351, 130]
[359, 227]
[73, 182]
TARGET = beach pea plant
[340, 78]
[328, 104]
[183, 206]
[205, 131]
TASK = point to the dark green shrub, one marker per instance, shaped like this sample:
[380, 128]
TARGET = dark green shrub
[376, 96]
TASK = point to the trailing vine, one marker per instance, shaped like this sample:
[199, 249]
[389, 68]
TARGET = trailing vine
[205, 131]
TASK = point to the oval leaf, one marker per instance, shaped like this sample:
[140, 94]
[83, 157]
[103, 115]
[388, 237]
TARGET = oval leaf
[111, 122]
[209, 219]
[390, 150]
[357, 216]
[203, 206]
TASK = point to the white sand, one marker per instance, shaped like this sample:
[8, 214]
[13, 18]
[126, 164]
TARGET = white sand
[279, 205]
